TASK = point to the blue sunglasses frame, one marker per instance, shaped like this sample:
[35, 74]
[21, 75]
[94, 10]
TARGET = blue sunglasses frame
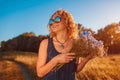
[56, 20]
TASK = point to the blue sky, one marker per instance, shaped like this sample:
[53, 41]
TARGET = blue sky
[20, 16]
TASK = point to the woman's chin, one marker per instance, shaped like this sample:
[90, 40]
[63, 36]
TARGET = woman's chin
[55, 30]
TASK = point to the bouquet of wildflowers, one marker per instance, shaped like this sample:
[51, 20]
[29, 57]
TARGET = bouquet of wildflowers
[87, 44]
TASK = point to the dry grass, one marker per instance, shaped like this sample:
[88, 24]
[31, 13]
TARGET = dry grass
[106, 68]
[27, 58]
[10, 71]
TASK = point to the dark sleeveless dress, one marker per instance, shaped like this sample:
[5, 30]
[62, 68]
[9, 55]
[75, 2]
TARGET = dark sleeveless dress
[66, 72]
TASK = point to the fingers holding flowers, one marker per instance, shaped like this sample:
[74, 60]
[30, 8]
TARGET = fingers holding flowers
[65, 57]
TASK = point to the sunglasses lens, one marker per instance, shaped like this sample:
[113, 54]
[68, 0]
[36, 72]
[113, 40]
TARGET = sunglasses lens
[57, 19]
[50, 22]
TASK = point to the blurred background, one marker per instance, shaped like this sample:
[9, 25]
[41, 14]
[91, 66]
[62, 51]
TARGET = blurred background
[23, 25]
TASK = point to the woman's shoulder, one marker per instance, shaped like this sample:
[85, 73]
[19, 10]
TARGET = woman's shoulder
[44, 42]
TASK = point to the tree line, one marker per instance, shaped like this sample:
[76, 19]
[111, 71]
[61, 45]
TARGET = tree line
[29, 42]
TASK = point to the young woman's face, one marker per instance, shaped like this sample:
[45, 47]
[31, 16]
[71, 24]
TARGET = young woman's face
[56, 23]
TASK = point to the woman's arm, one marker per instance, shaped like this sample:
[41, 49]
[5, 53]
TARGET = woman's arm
[42, 67]
[81, 65]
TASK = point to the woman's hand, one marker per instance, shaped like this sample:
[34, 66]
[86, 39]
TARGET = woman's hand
[91, 56]
[64, 57]
[84, 61]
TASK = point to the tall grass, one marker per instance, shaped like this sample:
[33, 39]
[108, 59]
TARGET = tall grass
[105, 68]
[27, 58]
[10, 71]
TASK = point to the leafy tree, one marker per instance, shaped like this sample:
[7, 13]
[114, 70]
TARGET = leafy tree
[24, 42]
[110, 35]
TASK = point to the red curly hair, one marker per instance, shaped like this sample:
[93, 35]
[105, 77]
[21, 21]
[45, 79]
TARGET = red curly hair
[69, 23]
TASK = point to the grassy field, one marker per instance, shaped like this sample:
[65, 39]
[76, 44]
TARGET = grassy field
[10, 71]
[105, 68]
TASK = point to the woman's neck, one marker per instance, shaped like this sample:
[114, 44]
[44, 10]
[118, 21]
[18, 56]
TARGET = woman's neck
[62, 36]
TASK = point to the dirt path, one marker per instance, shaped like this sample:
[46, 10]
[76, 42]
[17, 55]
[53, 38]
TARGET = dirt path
[23, 68]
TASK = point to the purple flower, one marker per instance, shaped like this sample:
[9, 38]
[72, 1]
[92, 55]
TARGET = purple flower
[92, 42]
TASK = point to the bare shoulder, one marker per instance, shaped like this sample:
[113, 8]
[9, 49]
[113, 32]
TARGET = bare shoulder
[43, 46]
[44, 42]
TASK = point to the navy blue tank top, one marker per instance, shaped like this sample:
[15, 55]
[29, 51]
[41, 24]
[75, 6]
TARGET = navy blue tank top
[66, 72]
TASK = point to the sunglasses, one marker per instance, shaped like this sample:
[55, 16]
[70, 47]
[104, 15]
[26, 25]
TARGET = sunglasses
[56, 20]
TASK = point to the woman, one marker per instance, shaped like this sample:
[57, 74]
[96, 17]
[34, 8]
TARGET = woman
[55, 49]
